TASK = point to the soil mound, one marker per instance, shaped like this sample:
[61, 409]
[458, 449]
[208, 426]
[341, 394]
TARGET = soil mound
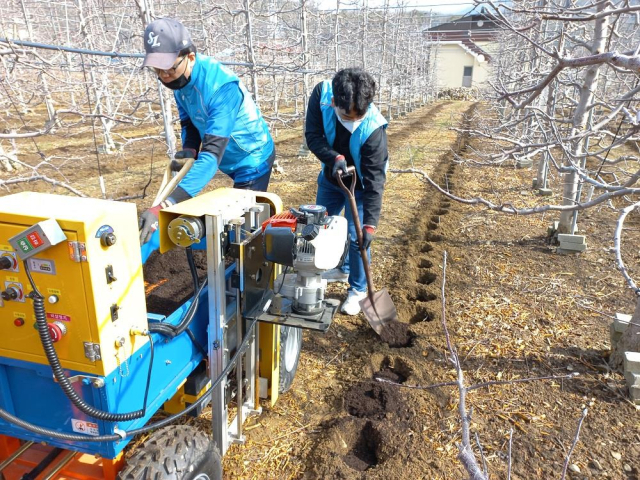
[396, 335]
[374, 400]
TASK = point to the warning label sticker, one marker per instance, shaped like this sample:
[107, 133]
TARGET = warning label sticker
[88, 428]
[58, 316]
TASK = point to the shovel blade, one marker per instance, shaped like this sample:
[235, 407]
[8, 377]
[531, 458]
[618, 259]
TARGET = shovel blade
[379, 312]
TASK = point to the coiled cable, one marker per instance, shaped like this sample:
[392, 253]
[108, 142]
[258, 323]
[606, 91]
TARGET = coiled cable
[58, 372]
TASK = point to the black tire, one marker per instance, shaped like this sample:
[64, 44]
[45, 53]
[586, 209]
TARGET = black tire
[177, 452]
[290, 347]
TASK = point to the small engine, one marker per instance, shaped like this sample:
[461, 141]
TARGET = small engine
[310, 242]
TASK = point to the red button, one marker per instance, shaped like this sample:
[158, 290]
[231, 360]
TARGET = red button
[34, 239]
[18, 322]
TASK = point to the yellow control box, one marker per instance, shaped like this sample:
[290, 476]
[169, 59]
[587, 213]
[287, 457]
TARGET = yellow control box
[92, 282]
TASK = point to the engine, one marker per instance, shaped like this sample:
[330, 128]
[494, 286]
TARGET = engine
[310, 242]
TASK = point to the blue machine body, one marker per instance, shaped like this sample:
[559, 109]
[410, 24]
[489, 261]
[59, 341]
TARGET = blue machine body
[28, 390]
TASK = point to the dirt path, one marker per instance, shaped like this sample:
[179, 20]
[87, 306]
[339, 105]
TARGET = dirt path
[515, 310]
[336, 422]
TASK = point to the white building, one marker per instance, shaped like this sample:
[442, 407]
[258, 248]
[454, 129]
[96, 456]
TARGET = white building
[463, 50]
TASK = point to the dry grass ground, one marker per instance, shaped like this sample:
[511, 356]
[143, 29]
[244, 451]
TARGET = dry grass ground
[515, 310]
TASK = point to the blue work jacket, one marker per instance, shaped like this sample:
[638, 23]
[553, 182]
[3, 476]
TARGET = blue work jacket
[237, 140]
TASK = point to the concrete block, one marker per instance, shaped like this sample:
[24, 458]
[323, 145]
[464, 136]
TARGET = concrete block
[524, 163]
[571, 248]
[545, 192]
[568, 238]
[632, 363]
[621, 322]
[633, 379]
[634, 394]
[303, 151]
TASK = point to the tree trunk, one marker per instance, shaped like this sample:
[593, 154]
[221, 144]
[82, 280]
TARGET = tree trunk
[251, 57]
[336, 43]
[580, 120]
[8, 160]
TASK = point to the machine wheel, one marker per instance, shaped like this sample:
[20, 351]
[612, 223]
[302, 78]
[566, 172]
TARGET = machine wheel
[177, 452]
[290, 346]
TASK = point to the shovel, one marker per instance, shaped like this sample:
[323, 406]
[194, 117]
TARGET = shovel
[174, 172]
[378, 308]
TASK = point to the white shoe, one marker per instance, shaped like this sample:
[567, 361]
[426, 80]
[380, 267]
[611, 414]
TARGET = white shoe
[351, 305]
[335, 275]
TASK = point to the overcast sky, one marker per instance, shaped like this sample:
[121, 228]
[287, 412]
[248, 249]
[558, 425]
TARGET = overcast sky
[438, 6]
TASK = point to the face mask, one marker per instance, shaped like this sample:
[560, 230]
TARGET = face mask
[178, 83]
[351, 125]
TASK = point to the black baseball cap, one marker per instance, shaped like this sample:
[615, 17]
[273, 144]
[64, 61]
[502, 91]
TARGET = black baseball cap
[163, 40]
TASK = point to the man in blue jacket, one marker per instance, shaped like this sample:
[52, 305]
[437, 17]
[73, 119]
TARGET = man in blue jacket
[343, 128]
[222, 127]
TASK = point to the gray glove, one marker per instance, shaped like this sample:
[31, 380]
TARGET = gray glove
[149, 219]
[339, 165]
[148, 223]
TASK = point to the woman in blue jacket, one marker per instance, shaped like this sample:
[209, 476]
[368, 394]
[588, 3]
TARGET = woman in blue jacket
[222, 126]
[344, 128]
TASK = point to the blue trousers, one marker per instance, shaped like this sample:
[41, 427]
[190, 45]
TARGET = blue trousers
[334, 199]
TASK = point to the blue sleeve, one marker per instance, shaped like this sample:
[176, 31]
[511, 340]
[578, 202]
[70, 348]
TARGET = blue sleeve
[222, 112]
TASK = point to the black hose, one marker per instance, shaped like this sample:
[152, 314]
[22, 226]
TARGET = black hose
[113, 438]
[58, 372]
[173, 331]
[196, 343]
[46, 461]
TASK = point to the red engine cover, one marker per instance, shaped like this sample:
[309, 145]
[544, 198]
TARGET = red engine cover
[284, 219]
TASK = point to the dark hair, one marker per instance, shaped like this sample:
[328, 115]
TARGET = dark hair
[353, 88]
[188, 50]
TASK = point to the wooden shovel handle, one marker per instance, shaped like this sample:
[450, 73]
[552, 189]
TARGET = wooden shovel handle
[350, 193]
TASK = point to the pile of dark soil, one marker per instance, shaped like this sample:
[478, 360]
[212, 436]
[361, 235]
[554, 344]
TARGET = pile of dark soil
[396, 334]
[374, 400]
[168, 279]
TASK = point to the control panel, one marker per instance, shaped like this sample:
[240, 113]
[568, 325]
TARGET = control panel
[83, 256]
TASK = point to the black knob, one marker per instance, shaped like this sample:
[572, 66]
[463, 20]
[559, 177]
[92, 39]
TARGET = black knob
[309, 232]
[5, 263]
[108, 239]
[9, 294]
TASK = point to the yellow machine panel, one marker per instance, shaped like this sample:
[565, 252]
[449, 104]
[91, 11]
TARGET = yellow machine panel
[92, 282]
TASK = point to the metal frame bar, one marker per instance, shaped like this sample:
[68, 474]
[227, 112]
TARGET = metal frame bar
[218, 356]
[227, 431]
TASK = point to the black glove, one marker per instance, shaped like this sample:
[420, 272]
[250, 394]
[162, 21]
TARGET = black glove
[181, 156]
[368, 232]
[186, 153]
[340, 164]
[148, 223]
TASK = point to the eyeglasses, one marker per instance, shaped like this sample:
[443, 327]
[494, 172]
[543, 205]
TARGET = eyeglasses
[170, 71]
